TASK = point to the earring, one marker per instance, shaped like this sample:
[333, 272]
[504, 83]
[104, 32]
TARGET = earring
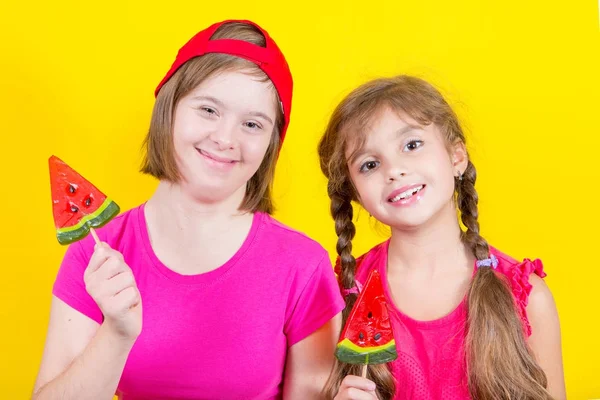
[460, 176]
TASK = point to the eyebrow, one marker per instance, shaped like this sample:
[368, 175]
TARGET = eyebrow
[221, 104]
[399, 133]
[261, 115]
[210, 98]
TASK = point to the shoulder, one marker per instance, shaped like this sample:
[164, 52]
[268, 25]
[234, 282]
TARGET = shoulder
[525, 279]
[124, 224]
[291, 254]
[367, 261]
[127, 222]
[541, 301]
[519, 273]
[288, 241]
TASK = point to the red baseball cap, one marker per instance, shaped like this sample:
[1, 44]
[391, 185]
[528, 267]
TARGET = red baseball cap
[269, 59]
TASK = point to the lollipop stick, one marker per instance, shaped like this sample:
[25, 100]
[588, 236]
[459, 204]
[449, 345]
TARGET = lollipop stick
[95, 235]
[364, 370]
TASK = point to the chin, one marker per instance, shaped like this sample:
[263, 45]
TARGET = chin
[406, 222]
[211, 196]
[210, 191]
[406, 225]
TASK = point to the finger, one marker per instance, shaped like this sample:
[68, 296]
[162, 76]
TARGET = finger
[111, 267]
[129, 297]
[100, 255]
[352, 381]
[120, 282]
[357, 394]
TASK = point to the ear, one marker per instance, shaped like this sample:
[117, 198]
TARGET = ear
[459, 157]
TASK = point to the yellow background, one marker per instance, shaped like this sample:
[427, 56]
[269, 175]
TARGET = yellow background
[77, 80]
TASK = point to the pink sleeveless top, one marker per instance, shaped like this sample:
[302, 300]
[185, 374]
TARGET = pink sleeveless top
[431, 355]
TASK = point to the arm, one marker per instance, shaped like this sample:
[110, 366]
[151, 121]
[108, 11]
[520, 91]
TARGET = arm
[309, 362]
[82, 360]
[545, 340]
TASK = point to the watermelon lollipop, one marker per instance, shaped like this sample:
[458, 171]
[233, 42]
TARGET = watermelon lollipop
[77, 205]
[367, 337]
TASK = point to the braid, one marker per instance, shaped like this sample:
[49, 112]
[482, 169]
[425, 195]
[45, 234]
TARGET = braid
[342, 212]
[499, 363]
[467, 200]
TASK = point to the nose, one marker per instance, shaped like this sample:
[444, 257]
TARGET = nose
[395, 171]
[224, 136]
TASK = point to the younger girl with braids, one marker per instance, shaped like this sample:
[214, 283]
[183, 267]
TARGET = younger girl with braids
[468, 320]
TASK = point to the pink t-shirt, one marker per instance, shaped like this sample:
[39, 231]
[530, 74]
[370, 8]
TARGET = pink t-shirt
[223, 334]
[431, 357]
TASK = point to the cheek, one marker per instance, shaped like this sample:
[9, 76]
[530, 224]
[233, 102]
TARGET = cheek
[179, 120]
[188, 126]
[358, 183]
[444, 176]
[439, 165]
[181, 132]
[367, 191]
[255, 148]
[182, 145]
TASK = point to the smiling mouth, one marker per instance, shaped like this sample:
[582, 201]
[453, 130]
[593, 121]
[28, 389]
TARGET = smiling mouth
[216, 158]
[407, 194]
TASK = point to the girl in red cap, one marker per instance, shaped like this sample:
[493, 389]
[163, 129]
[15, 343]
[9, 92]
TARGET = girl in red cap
[468, 320]
[199, 293]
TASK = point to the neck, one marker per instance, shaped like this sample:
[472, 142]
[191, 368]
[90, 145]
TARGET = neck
[174, 211]
[433, 246]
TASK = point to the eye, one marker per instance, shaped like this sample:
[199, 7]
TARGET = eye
[252, 125]
[413, 145]
[368, 166]
[208, 110]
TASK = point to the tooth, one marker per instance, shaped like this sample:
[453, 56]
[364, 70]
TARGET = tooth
[404, 195]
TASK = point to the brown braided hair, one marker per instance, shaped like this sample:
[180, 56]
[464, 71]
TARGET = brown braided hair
[499, 362]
